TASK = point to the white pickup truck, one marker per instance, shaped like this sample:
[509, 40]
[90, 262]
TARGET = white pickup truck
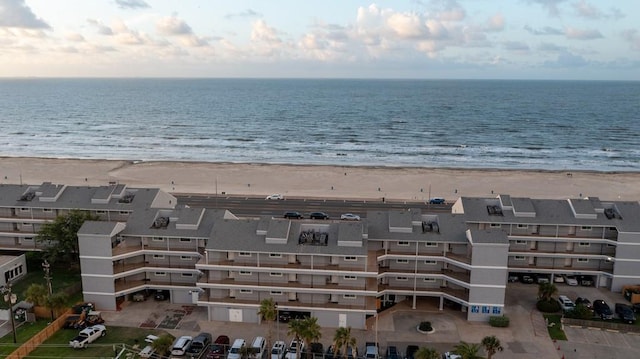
[88, 335]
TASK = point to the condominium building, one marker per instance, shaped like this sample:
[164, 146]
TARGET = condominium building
[338, 271]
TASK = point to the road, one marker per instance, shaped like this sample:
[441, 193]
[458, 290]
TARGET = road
[254, 206]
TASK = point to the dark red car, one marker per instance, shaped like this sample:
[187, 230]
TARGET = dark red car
[219, 348]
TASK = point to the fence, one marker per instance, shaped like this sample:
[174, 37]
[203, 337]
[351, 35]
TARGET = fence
[621, 327]
[39, 338]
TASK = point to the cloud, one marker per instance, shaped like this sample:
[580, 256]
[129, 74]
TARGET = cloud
[550, 5]
[75, 37]
[580, 34]
[243, 14]
[547, 30]
[549, 47]
[632, 36]
[173, 26]
[132, 4]
[567, 60]
[495, 23]
[102, 28]
[515, 46]
[584, 9]
[15, 13]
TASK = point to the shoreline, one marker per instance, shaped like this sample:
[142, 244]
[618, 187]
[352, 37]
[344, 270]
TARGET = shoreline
[322, 181]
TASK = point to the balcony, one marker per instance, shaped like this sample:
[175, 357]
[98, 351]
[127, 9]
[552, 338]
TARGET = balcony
[461, 276]
[461, 294]
[370, 304]
[121, 268]
[123, 285]
[371, 284]
[225, 264]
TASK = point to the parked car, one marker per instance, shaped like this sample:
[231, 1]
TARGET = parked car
[543, 279]
[236, 349]
[294, 347]
[636, 307]
[411, 351]
[278, 350]
[316, 350]
[625, 313]
[258, 347]
[88, 336]
[219, 348]
[586, 280]
[371, 350]
[566, 304]
[584, 301]
[331, 353]
[293, 215]
[571, 280]
[392, 352]
[558, 279]
[436, 200]
[199, 344]
[449, 355]
[148, 351]
[512, 278]
[349, 217]
[527, 279]
[602, 309]
[318, 215]
[181, 345]
[161, 295]
[275, 196]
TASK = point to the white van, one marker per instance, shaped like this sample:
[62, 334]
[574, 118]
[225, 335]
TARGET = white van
[258, 347]
[565, 303]
[234, 351]
[181, 345]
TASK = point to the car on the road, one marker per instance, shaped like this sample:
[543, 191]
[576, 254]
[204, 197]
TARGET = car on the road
[349, 217]
[571, 280]
[219, 348]
[318, 215]
[436, 200]
[293, 215]
[278, 350]
[625, 313]
[602, 309]
[275, 196]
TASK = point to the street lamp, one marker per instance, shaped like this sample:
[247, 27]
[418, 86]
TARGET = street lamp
[11, 298]
[47, 276]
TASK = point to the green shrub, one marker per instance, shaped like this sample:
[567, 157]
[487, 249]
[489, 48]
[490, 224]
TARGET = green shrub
[548, 306]
[499, 321]
[580, 312]
[425, 326]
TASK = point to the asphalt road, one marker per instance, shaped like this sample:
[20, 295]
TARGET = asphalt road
[253, 206]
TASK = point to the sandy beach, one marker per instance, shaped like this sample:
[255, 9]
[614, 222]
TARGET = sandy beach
[401, 183]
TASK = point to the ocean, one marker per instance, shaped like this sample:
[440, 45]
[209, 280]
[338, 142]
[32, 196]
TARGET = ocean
[543, 125]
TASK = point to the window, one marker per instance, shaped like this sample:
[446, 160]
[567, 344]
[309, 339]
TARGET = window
[403, 244]
[276, 292]
[185, 240]
[275, 274]
[497, 310]
[158, 256]
[431, 244]
[157, 239]
[519, 258]
[124, 213]
[403, 261]
[430, 262]
[275, 255]
[47, 210]
[187, 275]
[429, 280]
[495, 225]
[101, 212]
[583, 260]
[350, 277]
[244, 272]
[349, 296]
[25, 224]
[160, 274]
[185, 258]
[244, 254]
[402, 279]
[584, 244]
[28, 239]
[520, 241]
[585, 228]
[246, 291]
[351, 259]
[523, 226]
[24, 209]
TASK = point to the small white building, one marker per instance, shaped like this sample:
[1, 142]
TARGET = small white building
[13, 267]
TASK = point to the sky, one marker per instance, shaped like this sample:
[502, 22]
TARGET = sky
[419, 39]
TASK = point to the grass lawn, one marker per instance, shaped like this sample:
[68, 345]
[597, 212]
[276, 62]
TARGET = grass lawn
[23, 333]
[555, 330]
[58, 345]
[61, 279]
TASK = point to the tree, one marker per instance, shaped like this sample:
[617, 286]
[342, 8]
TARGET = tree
[268, 311]
[427, 353]
[311, 332]
[491, 345]
[162, 344]
[37, 294]
[343, 339]
[58, 301]
[61, 237]
[467, 350]
[296, 328]
[546, 291]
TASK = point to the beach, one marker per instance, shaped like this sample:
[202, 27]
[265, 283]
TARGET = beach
[320, 181]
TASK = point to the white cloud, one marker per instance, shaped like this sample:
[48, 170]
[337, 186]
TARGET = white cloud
[406, 25]
[131, 4]
[102, 28]
[495, 23]
[550, 5]
[15, 13]
[581, 34]
[584, 9]
[632, 36]
[75, 37]
[172, 25]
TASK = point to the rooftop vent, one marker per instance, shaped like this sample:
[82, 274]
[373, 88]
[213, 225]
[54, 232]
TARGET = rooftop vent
[161, 222]
[494, 210]
[612, 213]
[430, 227]
[314, 238]
[28, 196]
[127, 198]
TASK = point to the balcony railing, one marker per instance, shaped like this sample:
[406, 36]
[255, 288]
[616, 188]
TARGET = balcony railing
[369, 305]
[370, 284]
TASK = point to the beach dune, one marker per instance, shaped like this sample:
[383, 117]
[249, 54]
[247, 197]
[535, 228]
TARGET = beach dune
[391, 183]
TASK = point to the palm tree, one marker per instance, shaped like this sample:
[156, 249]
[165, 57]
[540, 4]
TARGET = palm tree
[268, 311]
[296, 328]
[311, 332]
[427, 353]
[467, 350]
[37, 294]
[491, 345]
[546, 291]
[343, 339]
[162, 344]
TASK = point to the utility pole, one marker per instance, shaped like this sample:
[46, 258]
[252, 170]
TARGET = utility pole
[11, 298]
[47, 276]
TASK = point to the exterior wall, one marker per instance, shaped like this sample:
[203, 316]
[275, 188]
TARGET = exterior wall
[13, 269]
[627, 261]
